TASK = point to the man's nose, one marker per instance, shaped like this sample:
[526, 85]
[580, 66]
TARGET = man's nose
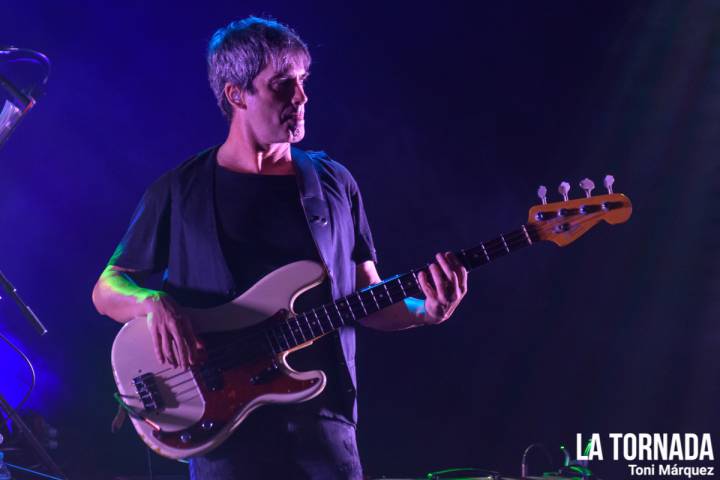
[299, 95]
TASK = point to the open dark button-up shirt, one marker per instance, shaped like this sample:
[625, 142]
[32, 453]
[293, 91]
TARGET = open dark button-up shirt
[174, 231]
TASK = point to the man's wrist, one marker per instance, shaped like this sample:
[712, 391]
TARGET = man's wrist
[149, 300]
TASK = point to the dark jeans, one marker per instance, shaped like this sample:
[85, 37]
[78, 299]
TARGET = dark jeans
[282, 443]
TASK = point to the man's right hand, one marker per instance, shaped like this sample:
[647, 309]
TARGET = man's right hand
[172, 333]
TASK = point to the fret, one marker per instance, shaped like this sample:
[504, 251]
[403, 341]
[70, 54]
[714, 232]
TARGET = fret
[296, 329]
[368, 301]
[511, 240]
[307, 322]
[477, 256]
[399, 280]
[387, 292]
[485, 252]
[527, 235]
[357, 294]
[327, 314]
[328, 318]
[302, 332]
[347, 304]
[295, 342]
[293, 330]
[374, 299]
[533, 233]
[411, 287]
[505, 243]
[342, 322]
[364, 303]
[521, 239]
[398, 293]
[284, 337]
[417, 282]
[311, 322]
[322, 330]
[380, 296]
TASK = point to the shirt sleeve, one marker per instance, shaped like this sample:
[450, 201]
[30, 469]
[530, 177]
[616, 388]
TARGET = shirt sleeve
[145, 245]
[364, 247]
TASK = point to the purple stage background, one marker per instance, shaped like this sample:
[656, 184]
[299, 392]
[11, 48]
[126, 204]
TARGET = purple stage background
[449, 115]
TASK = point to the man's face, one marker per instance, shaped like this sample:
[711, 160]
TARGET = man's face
[276, 111]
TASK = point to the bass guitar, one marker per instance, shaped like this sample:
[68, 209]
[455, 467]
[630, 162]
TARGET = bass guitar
[183, 413]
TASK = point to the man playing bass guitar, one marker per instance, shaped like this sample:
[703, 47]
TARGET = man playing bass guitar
[232, 214]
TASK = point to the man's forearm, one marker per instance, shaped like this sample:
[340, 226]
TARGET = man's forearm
[403, 315]
[120, 298]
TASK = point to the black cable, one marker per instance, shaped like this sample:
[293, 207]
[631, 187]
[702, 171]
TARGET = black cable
[149, 463]
[32, 370]
[523, 464]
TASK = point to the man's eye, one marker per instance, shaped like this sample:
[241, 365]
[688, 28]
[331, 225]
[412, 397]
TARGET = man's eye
[286, 83]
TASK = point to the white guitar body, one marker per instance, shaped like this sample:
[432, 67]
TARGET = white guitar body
[193, 419]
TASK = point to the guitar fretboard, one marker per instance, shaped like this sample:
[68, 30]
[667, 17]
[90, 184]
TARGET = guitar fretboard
[307, 326]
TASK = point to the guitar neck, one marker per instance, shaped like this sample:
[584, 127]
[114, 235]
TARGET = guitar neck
[309, 325]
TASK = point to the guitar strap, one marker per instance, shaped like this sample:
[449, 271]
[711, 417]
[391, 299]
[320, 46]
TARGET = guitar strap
[315, 207]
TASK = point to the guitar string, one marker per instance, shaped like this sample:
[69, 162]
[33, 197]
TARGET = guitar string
[493, 247]
[283, 335]
[353, 302]
[394, 286]
[355, 305]
[397, 289]
[220, 362]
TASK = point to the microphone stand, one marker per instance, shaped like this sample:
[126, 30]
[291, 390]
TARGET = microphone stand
[24, 309]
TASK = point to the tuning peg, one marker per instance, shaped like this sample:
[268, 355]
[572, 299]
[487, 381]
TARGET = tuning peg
[542, 193]
[564, 189]
[587, 185]
[608, 182]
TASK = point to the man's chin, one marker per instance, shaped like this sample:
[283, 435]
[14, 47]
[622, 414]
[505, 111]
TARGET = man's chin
[296, 133]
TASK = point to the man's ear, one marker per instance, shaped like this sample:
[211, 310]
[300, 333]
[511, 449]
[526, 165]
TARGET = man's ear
[235, 95]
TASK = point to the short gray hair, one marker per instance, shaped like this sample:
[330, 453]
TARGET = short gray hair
[238, 52]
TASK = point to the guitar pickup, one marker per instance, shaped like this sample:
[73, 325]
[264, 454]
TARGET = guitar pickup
[147, 390]
[265, 375]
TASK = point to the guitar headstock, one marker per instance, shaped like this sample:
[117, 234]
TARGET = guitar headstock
[564, 222]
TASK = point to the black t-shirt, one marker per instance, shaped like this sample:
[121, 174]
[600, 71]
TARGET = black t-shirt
[261, 224]
[262, 227]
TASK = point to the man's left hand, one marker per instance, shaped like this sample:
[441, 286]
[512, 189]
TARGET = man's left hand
[445, 288]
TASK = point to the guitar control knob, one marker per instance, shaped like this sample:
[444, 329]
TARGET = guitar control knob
[608, 182]
[564, 189]
[185, 437]
[207, 425]
[587, 185]
[542, 193]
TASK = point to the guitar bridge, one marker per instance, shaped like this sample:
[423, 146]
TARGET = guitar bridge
[146, 388]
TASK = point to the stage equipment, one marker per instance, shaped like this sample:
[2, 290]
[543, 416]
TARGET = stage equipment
[23, 76]
[571, 470]
[180, 413]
